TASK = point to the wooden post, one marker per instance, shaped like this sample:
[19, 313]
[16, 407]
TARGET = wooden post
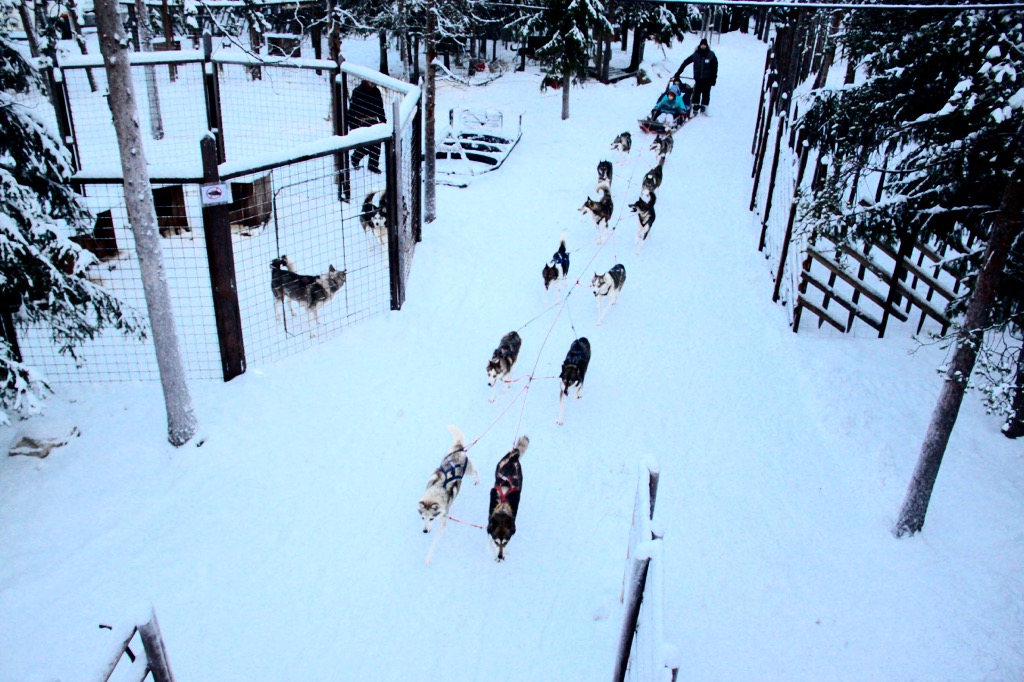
[791, 221]
[165, 15]
[221, 259]
[771, 181]
[62, 112]
[634, 599]
[156, 653]
[766, 84]
[339, 109]
[759, 160]
[417, 173]
[211, 89]
[394, 174]
[898, 272]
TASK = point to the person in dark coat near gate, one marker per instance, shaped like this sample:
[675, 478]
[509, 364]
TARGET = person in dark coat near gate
[705, 75]
[366, 108]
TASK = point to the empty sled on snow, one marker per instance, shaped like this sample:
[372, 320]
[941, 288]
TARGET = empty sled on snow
[474, 142]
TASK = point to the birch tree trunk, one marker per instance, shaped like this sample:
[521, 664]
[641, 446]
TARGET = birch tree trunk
[138, 195]
[76, 31]
[156, 118]
[429, 115]
[1008, 225]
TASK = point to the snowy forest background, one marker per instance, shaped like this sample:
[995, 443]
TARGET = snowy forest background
[934, 98]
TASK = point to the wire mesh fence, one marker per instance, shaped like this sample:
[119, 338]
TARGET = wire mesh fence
[297, 204]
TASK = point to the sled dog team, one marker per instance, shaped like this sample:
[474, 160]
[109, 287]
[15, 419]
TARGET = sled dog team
[445, 482]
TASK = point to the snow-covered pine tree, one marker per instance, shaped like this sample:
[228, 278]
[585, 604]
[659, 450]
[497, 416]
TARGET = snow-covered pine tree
[661, 22]
[138, 197]
[42, 273]
[942, 113]
[569, 27]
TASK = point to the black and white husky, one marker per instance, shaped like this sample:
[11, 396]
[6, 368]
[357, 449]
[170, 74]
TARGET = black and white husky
[644, 211]
[443, 487]
[574, 371]
[608, 285]
[600, 211]
[663, 144]
[604, 173]
[557, 269]
[503, 360]
[623, 143]
[652, 180]
[374, 217]
[508, 485]
[311, 292]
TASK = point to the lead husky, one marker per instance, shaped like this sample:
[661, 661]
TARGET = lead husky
[309, 291]
[443, 487]
[608, 285]
[645, 213]
[374, 217]
[504, 358]
[508, 485]
[600, 211]
[574, 371]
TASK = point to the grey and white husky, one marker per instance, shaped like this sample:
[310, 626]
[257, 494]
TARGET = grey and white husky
[444, 485]
[623, 142]
[644, 211]
[600, 211]
[311, 292]
[574, 371]
[374, 217]
[608, 285]
[504, 506]
[504, 358]
[663, 144]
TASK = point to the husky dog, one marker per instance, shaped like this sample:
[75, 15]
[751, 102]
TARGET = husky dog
[663, 144]
[623, 143]
[600, 210]
[652, 180]
[504, 358]
[604, 173]
[374, 217]
[608, 285]
[557, 269]
[645, 212]
[309, 291]
[574, 371]
[443, 487]
[508, 484]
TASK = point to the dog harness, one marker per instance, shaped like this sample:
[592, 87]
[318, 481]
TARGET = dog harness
[453, 470]
[504, 488]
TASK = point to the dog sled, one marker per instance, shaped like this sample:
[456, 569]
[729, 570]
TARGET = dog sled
[475, 142]
[678, 113]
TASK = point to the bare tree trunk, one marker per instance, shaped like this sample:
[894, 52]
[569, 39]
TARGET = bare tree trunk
[1008, 225]
[430, 104]
[566, 84]
[829, 57]
[1014, 427]
[636, 57]
[382, 46]
[156, 118]
[30, 29]
[138, 195]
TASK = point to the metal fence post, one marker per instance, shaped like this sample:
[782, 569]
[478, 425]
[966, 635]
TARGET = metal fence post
[221, 259]
[339, 109]
[62, 112]
[417, 172]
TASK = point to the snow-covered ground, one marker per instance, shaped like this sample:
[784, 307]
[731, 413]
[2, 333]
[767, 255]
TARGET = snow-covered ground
[288, 546]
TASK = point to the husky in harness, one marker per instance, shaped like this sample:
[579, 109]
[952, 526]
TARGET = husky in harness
[443, 487]
[508, 484]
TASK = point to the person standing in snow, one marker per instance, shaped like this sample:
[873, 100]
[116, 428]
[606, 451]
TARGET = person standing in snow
[705, 75]
[366, 108]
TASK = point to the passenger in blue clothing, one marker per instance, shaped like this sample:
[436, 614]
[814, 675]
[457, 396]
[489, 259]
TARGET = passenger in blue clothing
[705, 75]
[670, 104]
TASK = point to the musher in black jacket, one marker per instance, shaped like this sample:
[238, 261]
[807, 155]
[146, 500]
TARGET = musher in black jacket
[705, 75]
[366, 108]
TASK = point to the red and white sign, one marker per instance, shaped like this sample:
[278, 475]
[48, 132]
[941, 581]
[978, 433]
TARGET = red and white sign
[216, 194]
